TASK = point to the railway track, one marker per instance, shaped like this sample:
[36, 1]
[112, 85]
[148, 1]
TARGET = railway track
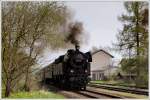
[89, 93]
[76, 93]
[94, 94]
[86, 94]
[121, 89]
[104, 94]
[116, 94]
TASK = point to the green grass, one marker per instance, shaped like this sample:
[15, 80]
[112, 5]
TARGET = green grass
[111, 82]
[36, 94]
[106, 82]
[119, 83]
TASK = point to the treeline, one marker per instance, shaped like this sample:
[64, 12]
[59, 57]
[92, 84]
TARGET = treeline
[133, 41]
[27, 28]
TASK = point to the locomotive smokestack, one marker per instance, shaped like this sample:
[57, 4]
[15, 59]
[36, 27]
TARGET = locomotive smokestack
[77, 47]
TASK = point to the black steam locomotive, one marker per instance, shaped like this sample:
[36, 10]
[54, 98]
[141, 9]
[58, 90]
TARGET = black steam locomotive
[71, 70]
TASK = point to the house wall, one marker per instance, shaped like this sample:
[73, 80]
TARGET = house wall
[98, 75]
[100, 61]
[100, 65]
[102, 74]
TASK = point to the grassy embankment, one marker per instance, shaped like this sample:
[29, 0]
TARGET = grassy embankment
[36, 94]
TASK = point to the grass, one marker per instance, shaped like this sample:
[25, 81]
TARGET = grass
[111, 82]
[119, 83]
[36, 94]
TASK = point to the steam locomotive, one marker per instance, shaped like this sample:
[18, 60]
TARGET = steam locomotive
[71, 70]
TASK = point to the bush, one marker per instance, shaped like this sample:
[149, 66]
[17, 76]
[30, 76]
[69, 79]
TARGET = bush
[138, 66]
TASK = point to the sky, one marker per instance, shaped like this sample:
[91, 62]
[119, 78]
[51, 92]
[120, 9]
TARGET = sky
[100, 21]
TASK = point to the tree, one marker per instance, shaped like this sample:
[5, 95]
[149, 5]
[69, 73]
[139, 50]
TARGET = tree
[134, 36]
[128, 65]
[26, 28]
[133, 30]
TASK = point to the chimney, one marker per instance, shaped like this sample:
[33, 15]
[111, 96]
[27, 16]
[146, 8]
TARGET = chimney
[77, 47]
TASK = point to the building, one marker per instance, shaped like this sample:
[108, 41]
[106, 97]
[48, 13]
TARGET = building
[102, 65]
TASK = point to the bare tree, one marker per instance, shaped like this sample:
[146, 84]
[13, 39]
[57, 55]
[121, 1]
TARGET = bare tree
[25, 28]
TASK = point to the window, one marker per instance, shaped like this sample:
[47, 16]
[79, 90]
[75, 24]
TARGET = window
[100, 76]
[93, 76]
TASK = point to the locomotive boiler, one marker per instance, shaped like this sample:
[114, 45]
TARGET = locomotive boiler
[71, 70]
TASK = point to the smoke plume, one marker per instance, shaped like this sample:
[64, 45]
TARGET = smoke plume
[75, 31]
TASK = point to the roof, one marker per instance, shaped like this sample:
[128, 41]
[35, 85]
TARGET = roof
[104, 52]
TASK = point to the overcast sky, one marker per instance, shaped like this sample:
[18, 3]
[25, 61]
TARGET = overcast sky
[100, 22]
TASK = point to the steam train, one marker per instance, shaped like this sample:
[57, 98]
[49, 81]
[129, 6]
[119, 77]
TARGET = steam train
[71, 70]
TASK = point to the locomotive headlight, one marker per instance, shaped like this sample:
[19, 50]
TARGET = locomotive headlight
[72, 71]
[86, 71]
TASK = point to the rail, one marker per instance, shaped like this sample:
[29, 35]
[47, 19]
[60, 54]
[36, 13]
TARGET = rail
[121, 89]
